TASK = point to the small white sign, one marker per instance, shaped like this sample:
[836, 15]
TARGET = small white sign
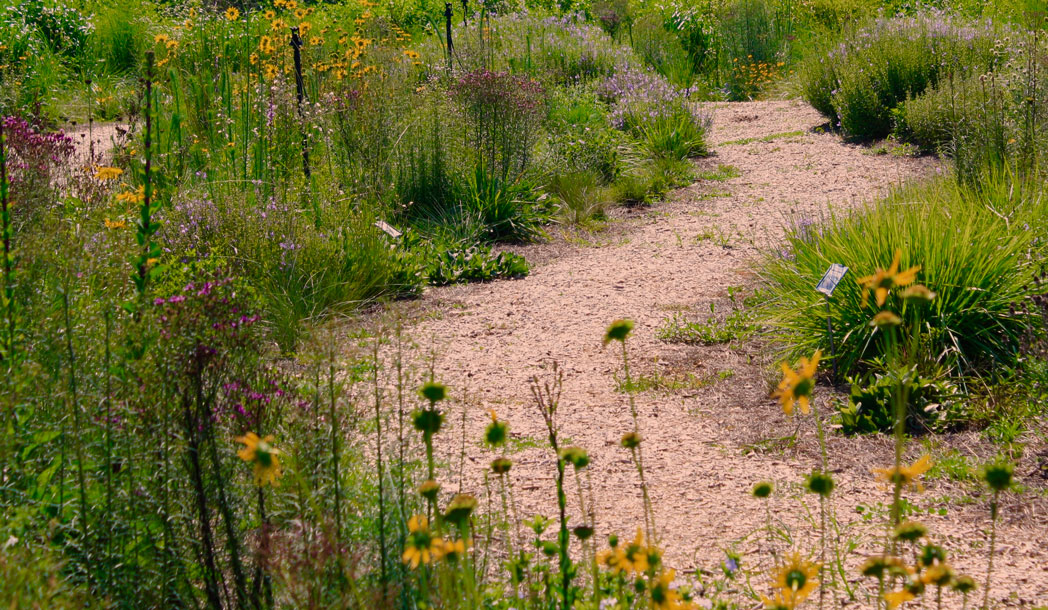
[388, 229]
[831, 278]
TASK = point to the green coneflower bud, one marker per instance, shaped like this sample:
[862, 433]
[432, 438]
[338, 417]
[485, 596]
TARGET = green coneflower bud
[583, 532]
[631, 440]
[964, 584]
[429, 489]
[576, 456]
[998, 475]
[618, 331]
[885, 319]
[910, 531]
[762, 489]
[820, 483]
[549, 548]
[932, 554]
[640, 585]
[501, 465]
[496, 432]
[874, 567]
[428, 421]
[613, 541]
[460, 508]
[433, 392]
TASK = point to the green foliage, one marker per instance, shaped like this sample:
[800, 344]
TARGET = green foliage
[972, 247]
[931, 404]
[582, 198]
[738, 325]
[859, 82]
[474, 264]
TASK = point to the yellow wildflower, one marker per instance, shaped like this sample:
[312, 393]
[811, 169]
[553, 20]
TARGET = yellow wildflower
[270, 15]
[797, 386]
[108, 173]
[882, 281]
[421, 546]
[897, 598]
[906, 475]
[232, 13]
[263, 455]
[278, 25]
[796, 579]
[115, 224]
[662, 596]
[132, 196]
[161, 38]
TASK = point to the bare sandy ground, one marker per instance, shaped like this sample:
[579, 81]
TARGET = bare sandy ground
[705, 446]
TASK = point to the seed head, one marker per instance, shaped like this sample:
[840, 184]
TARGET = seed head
[427, 421]
[762, 489]
[820, 483]
[429, 489]
[631, 440]
[618, 331]
[885, 319]
[433, 392]
[460, 508]
[910, 531]
[496, 432]
[576, 456]
[998, 475]
[501, 465]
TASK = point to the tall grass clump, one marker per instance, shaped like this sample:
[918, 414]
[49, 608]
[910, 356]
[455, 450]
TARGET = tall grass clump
[859, 82]
[978, 249]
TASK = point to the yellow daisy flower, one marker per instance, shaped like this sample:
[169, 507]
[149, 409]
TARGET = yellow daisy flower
[662, 596]
[898, 598]
[883, 281]
[232, 14]
[264, 456]
[796, 579]
[422, 546]
[798, 386]
[108, 173]
[906, 475]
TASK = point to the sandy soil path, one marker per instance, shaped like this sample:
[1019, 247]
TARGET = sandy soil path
[705, 444]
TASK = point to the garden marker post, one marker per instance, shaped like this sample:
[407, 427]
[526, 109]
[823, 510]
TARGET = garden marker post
[826, 286]
[447, 25]
[296, 45]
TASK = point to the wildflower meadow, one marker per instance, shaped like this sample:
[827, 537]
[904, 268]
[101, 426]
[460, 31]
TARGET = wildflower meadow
[346, 304]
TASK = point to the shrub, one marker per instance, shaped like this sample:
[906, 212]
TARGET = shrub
[868, 409]
[662, 116]
[581, 196]
[858, 83]
[976, 250]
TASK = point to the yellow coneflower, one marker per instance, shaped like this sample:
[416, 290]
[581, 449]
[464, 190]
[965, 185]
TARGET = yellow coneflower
[797, 386]
[301, 13]
[115, 224]
[796, 579]
[894, 599]
[454, 549]
[278, 25]
[614, 559]
[232, 13]
[136, 196]
[107, 173]
[662, 596]
[290, 5]
[411, 54]
[882, 281]
[263, 455]
[269, 15]
[270, 71]
[421, 545]
[635, 555]
[161, 39]
[266, 46]
[906, 476]
[171, 45]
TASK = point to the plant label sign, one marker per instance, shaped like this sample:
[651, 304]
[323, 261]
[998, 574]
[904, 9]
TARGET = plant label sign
[831, 278]
[387, 229]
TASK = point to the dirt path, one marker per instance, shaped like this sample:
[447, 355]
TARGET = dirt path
[699, 437]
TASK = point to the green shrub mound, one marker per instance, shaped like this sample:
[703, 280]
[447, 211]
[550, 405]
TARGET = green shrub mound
[859, 82]
[978, 250]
